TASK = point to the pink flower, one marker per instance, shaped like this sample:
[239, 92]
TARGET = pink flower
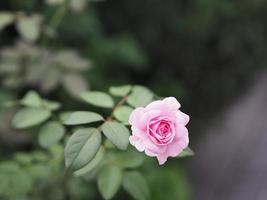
[159, 129]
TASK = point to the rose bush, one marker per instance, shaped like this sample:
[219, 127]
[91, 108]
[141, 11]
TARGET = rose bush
[159, 129]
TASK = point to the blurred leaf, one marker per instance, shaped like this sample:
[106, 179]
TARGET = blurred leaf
[123, 113]
[91, 165]
[50, 134]
[187, 152]
[109, 181]
[140, 96]
[52, 78]
[127, 159]
[51, 105]
[120, 90]
[23, 158]
[8, 67]
[39, 171]
[135, 184]
[82, 117]
[29, 26]
[78, 5]
[70, 60]
[28, 117]
[40, 156]
[65, 115]
[6, 18]
[117, 133]
[100, 99]
[17, 183]
[55, 2]
[31, 99]
[75, 84]
[168, 179]
[82, 147]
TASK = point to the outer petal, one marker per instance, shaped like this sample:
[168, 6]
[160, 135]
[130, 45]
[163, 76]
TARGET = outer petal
[175, 148]
[162, 159]
[182, 118]
[181, 131]
[137, 142]
[172, 103]
[155, 105]
[156, 151]
[135, 116]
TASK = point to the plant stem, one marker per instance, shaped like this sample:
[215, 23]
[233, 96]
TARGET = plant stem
[59, 15]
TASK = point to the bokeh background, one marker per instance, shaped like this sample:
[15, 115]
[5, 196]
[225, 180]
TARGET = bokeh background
[210, 54]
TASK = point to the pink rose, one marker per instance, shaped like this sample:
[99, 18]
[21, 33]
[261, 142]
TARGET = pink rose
[159, 129]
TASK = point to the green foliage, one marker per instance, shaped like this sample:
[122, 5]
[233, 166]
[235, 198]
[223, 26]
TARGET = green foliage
[28, 117]
[127, 159]
[51, 133]
[32, 99]
[140, 96]
[82, 117]
[171, 179]
[82, 148]
[100, 99]
[135, 184]
[117, 133]
[122, 113]
[6, 18]
[93, 164]
[29, 27]
[120, 90]
[187, 152]
[109, 181]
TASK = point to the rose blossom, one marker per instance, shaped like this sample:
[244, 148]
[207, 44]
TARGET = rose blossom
[159, 129]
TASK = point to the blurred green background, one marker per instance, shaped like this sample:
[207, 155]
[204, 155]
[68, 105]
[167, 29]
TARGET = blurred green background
[204, 52]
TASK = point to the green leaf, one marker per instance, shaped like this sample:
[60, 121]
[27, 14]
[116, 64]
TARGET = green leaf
[98, 99]
[140, 96]
[91, 165]
[186, 152]
[82, 117]
[70, 60]
[28, 117]
[29, 27]
[120, 90]
[135, 184]
[117, 133]
[109, 181]
[74, 84]
[6, 18]
[54, 2]
[82, 147]
[123, 113]
[65, 115]
[128, 159]
[32, 99]
[23, 158]
[50, 134]
[51, 105]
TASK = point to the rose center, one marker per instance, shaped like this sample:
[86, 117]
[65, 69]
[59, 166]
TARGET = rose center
[161, 131]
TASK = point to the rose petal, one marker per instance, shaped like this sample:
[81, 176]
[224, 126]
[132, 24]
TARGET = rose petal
[136, 115]
[137, 142]
[139, 117]
[174, 149]
[162, 159]
[172, 103]
[182, 118]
